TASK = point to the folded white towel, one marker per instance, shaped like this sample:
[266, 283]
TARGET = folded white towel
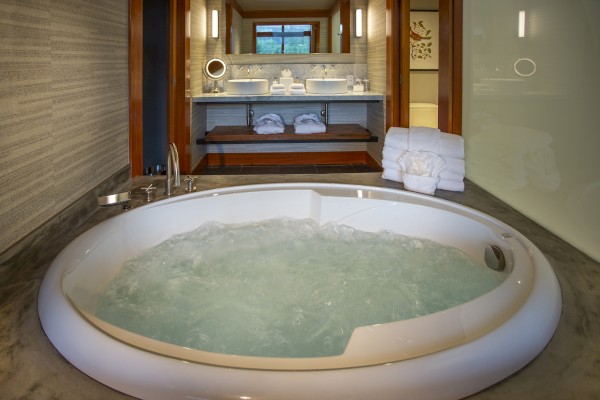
[421, 163]
[277, 92]
[310, 127]
[453, 186]
[297, 85]
[385, 163]
[392, 174]
[277, 86]
[296, 92]
[302, 118]
[451, 176]
[397, 138]
[268, 118]
[269, 128]
[269, 123]
[421, 184]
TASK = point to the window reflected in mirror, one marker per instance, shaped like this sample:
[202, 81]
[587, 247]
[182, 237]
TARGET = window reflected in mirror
[279, 38]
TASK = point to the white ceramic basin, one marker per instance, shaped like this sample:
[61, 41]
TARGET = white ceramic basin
[247, 86]
[326, 85]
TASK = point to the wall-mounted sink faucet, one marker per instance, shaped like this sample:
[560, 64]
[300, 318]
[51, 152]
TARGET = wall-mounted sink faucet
[173, 179]
[249, 68]
[323, 70]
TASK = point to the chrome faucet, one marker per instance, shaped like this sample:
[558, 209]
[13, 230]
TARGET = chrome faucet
[173, 179]
[249, 69]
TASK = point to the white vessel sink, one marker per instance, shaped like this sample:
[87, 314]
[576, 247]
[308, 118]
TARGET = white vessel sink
[326, 85]
[247, 86]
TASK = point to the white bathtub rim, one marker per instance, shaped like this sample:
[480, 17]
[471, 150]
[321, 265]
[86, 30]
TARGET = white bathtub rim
[135, 372]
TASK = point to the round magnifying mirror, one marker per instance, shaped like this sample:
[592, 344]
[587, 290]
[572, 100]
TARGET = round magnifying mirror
[215, 68]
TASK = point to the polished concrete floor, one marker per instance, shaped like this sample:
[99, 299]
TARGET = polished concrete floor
[568, 368]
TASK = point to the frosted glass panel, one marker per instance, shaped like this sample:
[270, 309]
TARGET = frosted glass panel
[531, 110]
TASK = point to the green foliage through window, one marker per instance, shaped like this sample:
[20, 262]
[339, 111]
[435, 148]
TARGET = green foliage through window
[283, 39]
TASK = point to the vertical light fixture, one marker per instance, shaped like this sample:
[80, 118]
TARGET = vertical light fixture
[215, 23]
[521, 24]
[359, 25]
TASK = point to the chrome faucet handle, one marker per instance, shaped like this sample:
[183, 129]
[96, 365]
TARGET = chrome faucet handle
[149, 193]
[190, 184]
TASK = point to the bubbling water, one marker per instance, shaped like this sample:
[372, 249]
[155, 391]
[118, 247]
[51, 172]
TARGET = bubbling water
[285, 287]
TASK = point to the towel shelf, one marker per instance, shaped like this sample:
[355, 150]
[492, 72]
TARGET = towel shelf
[245, 134]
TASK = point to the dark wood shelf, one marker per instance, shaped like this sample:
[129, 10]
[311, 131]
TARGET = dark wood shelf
[245, 134]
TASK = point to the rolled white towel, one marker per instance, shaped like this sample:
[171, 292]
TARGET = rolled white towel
[451, 145]
[392, 154]
[421, 138]
[453, 186]
[397, 138]
[269, 128]
[385, 163]
[392, 174]
[420, 184]
[302, 118]
[310, 127]
[268, 118]
[269, 123]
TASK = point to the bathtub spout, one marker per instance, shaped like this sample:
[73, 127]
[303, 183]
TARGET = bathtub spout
[173, 179]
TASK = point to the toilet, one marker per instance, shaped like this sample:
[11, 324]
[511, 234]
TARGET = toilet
[423, 114]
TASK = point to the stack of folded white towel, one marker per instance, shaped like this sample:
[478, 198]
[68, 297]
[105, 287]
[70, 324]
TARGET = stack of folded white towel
[424, 159]
[309, 123]
[269, 123]
[297, 88]
[277, 89]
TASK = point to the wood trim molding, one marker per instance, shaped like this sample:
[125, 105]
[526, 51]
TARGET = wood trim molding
[457, 62]
[136, 75]
[338, 157]
[450, 72]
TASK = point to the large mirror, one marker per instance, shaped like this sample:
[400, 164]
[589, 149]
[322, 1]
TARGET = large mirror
[288, 27]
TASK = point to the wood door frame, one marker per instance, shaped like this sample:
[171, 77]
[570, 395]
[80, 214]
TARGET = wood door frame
[450, 69]
[178, 94]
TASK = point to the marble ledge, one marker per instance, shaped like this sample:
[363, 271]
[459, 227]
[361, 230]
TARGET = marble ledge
[221, 98]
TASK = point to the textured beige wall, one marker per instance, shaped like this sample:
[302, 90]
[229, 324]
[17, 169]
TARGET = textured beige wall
[63, 106]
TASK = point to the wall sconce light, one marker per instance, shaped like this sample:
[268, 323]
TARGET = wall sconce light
[359, 31]
[215, 23]
[521, 24]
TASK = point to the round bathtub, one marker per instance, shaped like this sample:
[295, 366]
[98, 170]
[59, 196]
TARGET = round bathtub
[449, 354]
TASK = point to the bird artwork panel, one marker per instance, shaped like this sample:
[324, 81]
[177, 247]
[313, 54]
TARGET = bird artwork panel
[424, 40]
